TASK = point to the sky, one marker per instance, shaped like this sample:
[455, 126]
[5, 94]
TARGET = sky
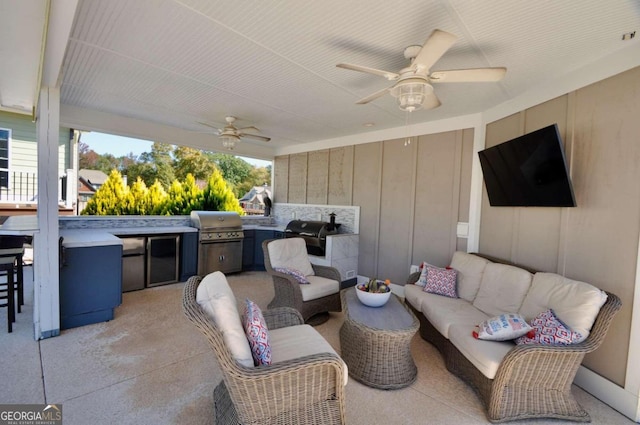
[120, 146]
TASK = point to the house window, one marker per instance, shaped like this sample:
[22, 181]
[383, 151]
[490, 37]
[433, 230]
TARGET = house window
[5, 136]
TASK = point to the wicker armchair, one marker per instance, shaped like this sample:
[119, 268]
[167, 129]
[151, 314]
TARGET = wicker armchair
[288, 292]
[533, 381]
[306, 390]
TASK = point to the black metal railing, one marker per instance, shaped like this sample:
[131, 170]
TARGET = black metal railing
[22, 187]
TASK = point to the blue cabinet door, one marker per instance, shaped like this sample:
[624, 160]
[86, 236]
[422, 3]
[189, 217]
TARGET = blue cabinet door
[258, 259]
[248, 248]
[188, 255]
[90, 285]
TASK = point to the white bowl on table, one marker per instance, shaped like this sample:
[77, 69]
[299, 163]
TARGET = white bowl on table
[373, 299]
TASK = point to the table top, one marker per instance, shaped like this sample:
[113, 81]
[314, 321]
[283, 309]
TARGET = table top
[392, 316]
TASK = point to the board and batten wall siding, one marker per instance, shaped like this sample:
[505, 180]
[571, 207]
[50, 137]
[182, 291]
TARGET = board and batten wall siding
[597, 241]
[410, 197]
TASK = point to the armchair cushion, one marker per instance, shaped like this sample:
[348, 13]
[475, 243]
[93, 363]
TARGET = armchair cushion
[294, 342]
[291, 253]
[217, 300]
[319, 287]
[257, 333]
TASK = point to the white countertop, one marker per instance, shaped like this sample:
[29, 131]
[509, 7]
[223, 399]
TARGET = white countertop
[277, 227]
[77, 238]
[20, 225]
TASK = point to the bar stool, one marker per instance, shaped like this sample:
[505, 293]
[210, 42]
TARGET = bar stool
[13, 247]
[7, 264]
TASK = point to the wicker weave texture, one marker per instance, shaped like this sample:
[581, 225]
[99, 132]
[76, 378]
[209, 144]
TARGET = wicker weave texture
[307, 390]
[533, 381]
[288, 294]
[377, 358]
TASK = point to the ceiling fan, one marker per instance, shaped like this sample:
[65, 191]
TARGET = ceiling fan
[230, 134]
[413, 87]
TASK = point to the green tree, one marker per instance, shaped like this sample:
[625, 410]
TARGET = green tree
[258, 176]
[233, 169]
[163, 163]
[218, 197]
[110, 199]
[155, 199]
[192, 161]
[137, 199]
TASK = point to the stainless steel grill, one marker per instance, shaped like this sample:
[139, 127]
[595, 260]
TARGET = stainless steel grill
[220, 241]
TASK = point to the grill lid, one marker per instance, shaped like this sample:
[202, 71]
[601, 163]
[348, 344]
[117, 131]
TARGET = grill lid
[216, 220]
[305, 228]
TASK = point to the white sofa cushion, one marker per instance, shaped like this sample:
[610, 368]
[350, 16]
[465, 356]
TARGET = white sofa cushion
[444, 312]
[217, 300]
[293, 342]
[575, 303]
[291, 253]
[502, 289]
[486, 356]
[413, 295]
[319, 287]
[470, 268]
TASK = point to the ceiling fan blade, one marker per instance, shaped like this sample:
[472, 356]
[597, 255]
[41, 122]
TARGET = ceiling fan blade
[208, 125]
[386, 74]
[431, 102]
[249, 128]
[436, 45]
[472, 75]
[373, 96]
[254, 136]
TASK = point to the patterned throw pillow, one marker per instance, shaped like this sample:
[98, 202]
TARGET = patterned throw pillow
[502, 328]
[422, 281]
[549, 330]
[297, 274]
[441, 281]
[257, 333]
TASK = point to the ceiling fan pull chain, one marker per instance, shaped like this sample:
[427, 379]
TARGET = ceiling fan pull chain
[407, 141]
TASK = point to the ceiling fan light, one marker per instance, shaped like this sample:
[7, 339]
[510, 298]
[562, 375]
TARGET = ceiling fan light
[229, 141]
[411, 94]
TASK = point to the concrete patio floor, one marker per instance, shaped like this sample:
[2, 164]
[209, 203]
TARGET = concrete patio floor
[151, 366]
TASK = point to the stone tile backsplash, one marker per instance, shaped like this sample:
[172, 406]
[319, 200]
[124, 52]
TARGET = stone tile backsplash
[347, 216]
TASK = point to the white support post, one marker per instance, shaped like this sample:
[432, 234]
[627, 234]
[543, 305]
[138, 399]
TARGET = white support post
[46, 310]
[72, 188]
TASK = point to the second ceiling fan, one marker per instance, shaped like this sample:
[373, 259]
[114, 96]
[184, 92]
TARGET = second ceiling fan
[413, 87]
[230, 134]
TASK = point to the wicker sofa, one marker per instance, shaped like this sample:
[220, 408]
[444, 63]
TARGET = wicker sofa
[513, 381]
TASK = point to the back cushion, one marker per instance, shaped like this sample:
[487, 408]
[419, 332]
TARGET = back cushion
[469, 268]
[502, 289]
[291, 253]
[217, 300]
[575, 303]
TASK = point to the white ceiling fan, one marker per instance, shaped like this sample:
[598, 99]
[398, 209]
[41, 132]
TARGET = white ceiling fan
[230, 134]
[413, 87]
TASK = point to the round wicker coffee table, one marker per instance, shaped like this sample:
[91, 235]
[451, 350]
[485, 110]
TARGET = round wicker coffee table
[375, 342]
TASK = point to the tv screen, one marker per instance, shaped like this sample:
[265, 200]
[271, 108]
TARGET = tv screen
[528, 171]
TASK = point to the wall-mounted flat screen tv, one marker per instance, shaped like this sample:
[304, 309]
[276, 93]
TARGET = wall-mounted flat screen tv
[528, 171]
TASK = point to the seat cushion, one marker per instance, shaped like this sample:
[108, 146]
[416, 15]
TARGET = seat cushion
[319, 287]
[217, 300]
[486, 356]
[470, 268]
[502, 289]
[444, 312]
[413, 295]
[575, 303]
[290, 253]
[293, 342]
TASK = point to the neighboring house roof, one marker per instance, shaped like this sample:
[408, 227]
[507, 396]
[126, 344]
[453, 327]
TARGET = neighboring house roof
[90, 180]
[256, 195]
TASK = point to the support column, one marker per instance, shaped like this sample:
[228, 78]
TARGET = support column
[46, 310]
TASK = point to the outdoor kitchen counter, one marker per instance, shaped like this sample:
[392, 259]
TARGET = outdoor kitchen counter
[76, 238]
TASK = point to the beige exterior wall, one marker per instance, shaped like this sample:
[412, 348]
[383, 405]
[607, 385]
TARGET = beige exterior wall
[597, 241]
[410, 197]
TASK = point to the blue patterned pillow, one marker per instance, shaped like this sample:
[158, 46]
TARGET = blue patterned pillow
[257, 333]
[549, 330]
[297, 274]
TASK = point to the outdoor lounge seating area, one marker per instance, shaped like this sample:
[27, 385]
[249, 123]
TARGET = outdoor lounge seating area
[151, 365]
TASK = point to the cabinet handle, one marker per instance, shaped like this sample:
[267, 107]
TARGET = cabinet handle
[221, 258]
